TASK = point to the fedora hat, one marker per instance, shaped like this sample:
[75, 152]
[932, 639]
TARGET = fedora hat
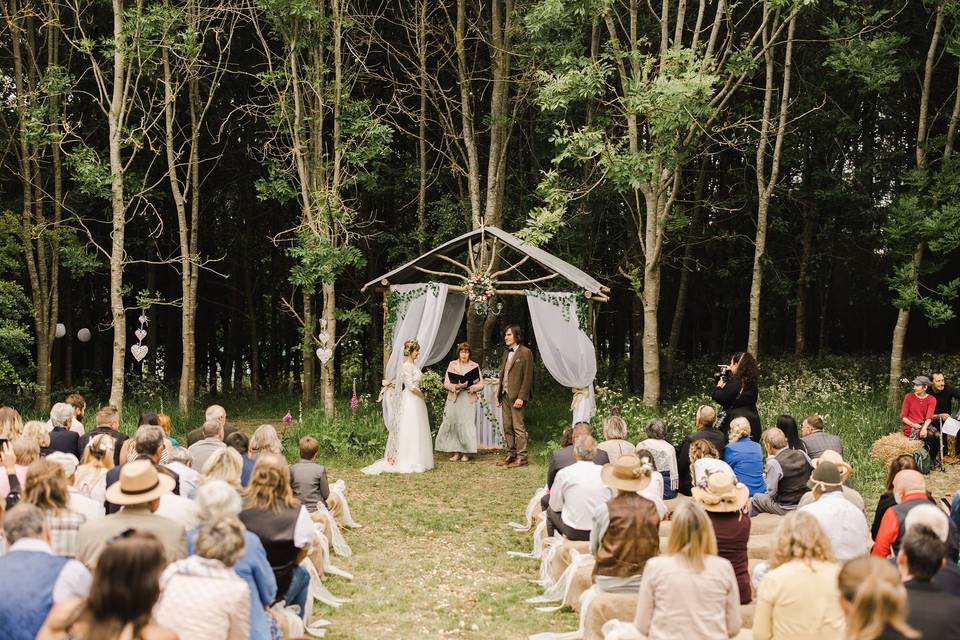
[627, 473]
[826, 477]
[722, 493]
[832, 456]
[139, 482]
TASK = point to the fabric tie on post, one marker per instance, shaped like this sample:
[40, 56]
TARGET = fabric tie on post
[579, 395]
[384, 386]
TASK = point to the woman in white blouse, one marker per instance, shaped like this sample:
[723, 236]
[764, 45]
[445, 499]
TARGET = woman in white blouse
[664, 456]
[614, 434]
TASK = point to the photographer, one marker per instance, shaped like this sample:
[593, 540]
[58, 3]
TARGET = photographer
[737, 393]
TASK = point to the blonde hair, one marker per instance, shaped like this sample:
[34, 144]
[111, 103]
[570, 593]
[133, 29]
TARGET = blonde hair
[614, 428]
[692, 535]
[269, 484]
[410, 346]
[221, 540]
[739, 428]
[265, 439]
[877, 598]
[224, 464]
[700, 449]
[800, 537]
[26, 450]
[164, 422]
[98, 453]
[37, 431]
[11, 424]
[46, 486]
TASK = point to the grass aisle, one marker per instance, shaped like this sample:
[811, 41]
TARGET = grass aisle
[430, 560]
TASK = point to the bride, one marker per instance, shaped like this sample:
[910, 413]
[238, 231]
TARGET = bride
[409, 445]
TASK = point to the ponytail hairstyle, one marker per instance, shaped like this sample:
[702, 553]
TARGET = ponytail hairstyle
[876, 598]
[410, 346]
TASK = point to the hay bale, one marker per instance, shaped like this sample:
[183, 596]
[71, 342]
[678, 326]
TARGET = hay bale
[608, 606]
[581, 580]
[890, 446]
[764, 524]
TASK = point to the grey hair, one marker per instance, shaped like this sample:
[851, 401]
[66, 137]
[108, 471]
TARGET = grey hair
[24, 521]
[211, 428]
[929, 516]
[215, 412]
[216, 499]
[614, 428]
[60, 413]
[585, 448]
[221, 540]
[149, 439]
[774, 438]
[181, 455]
[656, 429]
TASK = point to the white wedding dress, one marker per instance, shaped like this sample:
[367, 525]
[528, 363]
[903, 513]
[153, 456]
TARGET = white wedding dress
[410, 446]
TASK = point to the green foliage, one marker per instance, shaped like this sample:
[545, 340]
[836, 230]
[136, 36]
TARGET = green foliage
[89, 172]
[544, 221]
[15, 340]
[316, 259]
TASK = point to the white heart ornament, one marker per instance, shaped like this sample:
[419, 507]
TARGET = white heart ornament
[324, 337]
[324, 353]
[140, 333]
[143, 319]
[139, 351]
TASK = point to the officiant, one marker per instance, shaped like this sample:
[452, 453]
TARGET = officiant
[458, 431]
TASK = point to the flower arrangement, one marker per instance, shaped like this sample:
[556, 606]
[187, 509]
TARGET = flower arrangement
[479, 289]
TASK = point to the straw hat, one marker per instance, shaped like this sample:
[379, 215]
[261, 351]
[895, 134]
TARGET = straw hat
[832, 456]
[626, 474]
[723, 494]
[139, 483]
[826, 477]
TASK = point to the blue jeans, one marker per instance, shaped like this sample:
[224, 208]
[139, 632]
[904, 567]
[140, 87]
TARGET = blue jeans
[299, 587]
[668, 493]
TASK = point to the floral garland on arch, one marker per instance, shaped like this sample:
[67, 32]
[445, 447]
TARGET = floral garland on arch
[561, 300]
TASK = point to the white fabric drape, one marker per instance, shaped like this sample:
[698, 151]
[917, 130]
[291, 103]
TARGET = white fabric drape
[566, 350]
[433, 318]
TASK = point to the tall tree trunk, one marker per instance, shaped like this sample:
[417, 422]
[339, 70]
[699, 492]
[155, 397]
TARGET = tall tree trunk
[803, 288]
[422, 126]
[327, 386]
[309, 327]
[900, 334]
[253, 331]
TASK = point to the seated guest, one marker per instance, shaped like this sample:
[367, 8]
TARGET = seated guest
[125, 588]
[846, 471]
[180, 462]
[563, 457]
[916, 416]
[887, 500]
[11, 423]
[202, 597]
[218, 500]
[909, 491]
[614, 432]
[944, 394]
[690, 592]
[930, 516]
[212, 441]
[625, 532]
[577, 492]
[724, 500]
[241, 444]
[799, 597]
[705, 419]
[283, 525]
[46, 489]
[265, 440]
[108, 423]
[745, 456]
[705, 460]
[77, 502]
[844, 524]
[61, 437]
[138, 494]
[653, 491]
[787, 473]
[34, 578]
[816, 440]
[309, 479]
[664, 456]
[149, 444]
[22, 453]
[96, 462]
[788, 425]
[874, 601]
[79, 405]
[214, 413]
[930, 610]
[181, 510]
[39, 433]
[225, 464]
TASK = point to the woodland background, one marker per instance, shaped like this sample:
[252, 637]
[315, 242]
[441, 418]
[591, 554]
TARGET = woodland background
[776, 175]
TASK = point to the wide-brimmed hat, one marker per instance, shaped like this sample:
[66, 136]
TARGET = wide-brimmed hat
[924, 380]
[832, 456]
[139, 482]
[825, 478]
[722, 493]
[626, 473]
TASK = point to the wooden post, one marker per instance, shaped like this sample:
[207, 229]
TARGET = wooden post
[387, 346]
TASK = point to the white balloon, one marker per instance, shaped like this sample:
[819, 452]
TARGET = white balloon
[83, 335]
[60, 331]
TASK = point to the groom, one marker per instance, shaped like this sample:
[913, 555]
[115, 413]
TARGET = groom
[516, 381]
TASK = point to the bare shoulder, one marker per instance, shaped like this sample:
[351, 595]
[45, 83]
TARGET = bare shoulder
[158, 632]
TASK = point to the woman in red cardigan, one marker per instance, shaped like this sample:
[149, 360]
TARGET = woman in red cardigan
[917, 413]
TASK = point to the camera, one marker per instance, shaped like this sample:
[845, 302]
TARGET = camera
[722, 373]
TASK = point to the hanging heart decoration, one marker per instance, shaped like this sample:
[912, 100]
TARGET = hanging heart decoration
[324, 337]
[143, 318]
[140, 333]
[324, 353]
[139, 351]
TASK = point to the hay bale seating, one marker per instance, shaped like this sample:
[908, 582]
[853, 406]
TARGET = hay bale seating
[622, 606]
[885, 449]
[562, 558]
[581, 581]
